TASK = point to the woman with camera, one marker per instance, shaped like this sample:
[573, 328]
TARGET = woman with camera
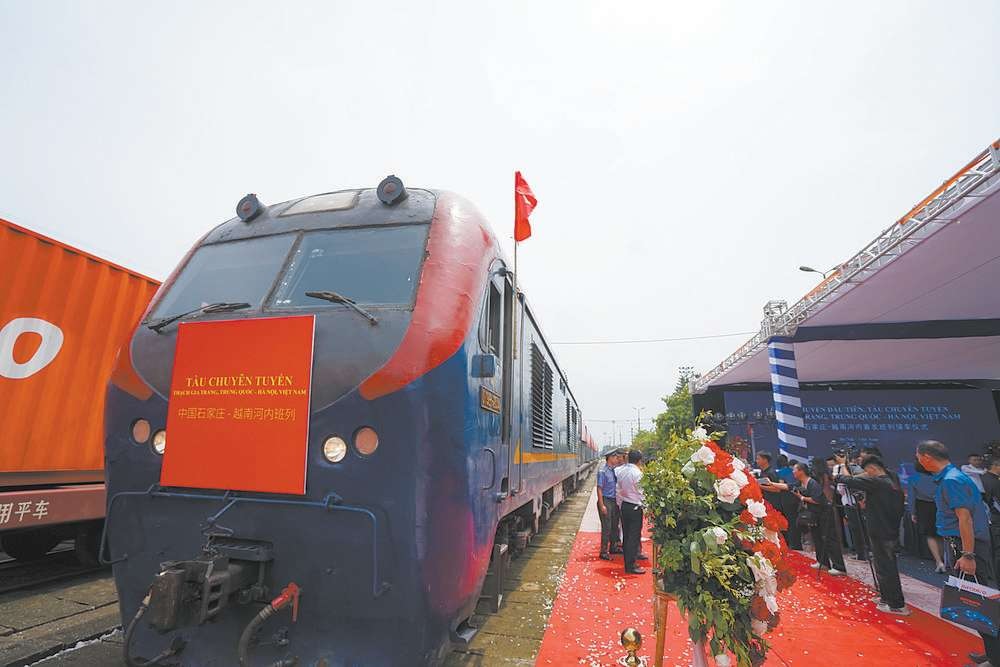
[816, 516]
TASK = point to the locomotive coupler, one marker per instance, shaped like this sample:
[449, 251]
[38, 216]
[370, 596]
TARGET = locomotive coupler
[192, 592]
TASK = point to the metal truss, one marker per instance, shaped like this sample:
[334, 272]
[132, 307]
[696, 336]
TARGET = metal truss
[954, 197]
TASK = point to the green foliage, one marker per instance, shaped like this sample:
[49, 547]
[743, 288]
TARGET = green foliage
[646, 441]
[711, 582]
[676, 419]
[679, 415]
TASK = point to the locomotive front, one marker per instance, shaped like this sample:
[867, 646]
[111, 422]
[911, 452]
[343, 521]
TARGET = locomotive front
[285, 437]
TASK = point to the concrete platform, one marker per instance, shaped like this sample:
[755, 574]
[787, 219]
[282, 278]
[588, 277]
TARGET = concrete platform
[512, 637]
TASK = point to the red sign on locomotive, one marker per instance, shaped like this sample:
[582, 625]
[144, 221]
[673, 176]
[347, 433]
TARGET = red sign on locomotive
[238, 415]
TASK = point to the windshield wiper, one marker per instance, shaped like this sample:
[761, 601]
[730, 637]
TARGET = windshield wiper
[221, 307]
[340, 298]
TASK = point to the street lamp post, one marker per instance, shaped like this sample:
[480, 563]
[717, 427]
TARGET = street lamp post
[809, 269]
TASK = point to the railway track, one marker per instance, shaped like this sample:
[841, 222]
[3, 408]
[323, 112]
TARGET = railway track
[57, 565]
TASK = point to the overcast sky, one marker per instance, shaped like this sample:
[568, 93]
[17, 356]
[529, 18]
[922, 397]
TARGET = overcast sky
[687, 157]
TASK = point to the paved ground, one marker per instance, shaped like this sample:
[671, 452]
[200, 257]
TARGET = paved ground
[512, 637]
[37, 623]
[76, 625]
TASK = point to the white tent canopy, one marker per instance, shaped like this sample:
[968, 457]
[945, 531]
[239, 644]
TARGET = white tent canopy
[921, 302]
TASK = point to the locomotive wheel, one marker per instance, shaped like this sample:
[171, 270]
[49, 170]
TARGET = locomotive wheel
[29, 545]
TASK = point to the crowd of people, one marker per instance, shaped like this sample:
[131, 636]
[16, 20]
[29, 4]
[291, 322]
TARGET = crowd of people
[852, 502]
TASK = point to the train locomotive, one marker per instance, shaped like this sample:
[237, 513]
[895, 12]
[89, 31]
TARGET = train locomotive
[439, 433]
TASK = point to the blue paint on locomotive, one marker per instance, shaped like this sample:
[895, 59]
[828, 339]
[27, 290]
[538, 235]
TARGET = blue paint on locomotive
[431, 504]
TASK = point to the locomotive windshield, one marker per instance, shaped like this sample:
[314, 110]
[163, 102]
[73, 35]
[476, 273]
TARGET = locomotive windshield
[238, 271]
[369, 266]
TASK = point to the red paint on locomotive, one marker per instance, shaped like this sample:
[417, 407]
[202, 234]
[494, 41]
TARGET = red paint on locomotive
[459, 251]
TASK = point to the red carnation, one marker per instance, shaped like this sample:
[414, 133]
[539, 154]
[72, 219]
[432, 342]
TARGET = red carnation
[758, 609]
[775, 520]
[751, 491]
[720, 468]
[769, 550]
[785, 577]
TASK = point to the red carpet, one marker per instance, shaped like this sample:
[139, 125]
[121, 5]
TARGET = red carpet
[826, 621]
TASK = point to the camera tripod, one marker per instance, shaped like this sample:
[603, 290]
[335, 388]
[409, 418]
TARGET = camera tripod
[865, 539]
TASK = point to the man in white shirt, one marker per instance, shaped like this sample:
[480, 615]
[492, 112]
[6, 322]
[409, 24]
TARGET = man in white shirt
[630, 502]
[974, 469]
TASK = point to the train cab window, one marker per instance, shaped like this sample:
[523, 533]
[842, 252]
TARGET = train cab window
[369, 266]
[494, 321]
[237, 271]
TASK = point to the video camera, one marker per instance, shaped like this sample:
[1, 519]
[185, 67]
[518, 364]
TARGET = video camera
[849, 451]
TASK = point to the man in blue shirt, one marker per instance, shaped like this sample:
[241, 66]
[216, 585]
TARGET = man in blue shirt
[962, 522]
[607, 506]
[920, 493]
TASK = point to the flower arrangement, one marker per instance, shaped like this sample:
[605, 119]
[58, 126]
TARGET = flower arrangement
[721, 552]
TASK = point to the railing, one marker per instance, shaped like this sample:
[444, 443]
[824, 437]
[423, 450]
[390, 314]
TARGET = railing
[944, 205]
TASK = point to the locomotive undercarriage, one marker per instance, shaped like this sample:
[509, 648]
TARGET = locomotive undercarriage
[193, 592]
[514, 534]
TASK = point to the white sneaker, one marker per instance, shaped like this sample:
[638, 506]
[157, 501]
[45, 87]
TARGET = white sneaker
[815, 566]
[834, 572]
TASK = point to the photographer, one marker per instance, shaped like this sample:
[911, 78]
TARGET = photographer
[883, 509]
[779, 496]
[850, 501]
[815, 498]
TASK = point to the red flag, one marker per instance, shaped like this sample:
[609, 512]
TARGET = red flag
[524, 204]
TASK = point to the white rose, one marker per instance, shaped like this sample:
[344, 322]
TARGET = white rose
[739, 477]
[738, 464]
[761, 568]
[772, 603]
[722, 660]
[700, 434]
[772, 536]
[704, 456]
[727, 490]
[758, 627]
[720, 534]
[757, 508]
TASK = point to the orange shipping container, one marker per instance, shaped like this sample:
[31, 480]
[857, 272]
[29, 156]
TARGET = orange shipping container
[63, 315]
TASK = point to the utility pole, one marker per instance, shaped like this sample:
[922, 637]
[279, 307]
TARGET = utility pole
[614, 433]
[638, 418]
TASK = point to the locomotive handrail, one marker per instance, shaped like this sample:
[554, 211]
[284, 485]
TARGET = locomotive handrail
[331, 501]
[493, 475]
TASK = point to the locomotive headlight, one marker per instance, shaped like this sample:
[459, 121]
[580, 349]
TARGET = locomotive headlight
[140, 431]
[334, 449]
[366, 441]
[160, 442]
